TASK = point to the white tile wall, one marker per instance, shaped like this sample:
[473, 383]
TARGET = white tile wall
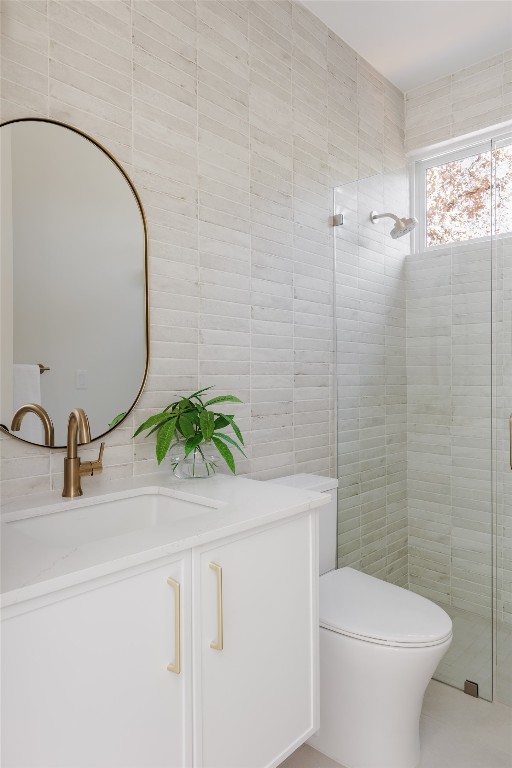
[371, 367]
[469, 100]
[503, 410]
[235, 121]
[449, 486]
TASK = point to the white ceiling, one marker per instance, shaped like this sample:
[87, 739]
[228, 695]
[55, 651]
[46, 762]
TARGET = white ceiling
[412, 42]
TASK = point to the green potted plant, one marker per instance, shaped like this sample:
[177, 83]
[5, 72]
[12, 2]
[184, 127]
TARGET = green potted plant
[188, 430]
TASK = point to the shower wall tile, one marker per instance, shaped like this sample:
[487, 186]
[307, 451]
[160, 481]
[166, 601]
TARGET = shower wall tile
[313, 323]
[224, 208]
[429, 419]
[449, 425]
[371, 360]
[503, 351]
[468, 100]
[235, 121]
[25, 53]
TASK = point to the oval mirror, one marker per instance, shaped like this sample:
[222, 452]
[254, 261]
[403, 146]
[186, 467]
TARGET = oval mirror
[74, 317]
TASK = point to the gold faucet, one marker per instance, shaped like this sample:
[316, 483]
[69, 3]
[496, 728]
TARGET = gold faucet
[39, 411]
[74, 468]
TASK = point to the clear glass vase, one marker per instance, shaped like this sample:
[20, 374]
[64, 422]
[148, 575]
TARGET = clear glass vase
[201, 462]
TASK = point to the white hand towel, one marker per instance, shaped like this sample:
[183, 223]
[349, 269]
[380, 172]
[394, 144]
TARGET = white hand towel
[27, 389]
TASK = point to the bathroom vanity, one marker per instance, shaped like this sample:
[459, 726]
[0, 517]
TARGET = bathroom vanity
[164, 624]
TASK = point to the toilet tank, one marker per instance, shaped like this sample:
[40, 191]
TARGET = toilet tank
[328, 515]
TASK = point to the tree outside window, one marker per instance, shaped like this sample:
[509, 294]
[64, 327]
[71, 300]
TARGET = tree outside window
[459, 197]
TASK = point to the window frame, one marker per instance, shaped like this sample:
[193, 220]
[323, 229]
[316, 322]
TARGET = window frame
[446, 152]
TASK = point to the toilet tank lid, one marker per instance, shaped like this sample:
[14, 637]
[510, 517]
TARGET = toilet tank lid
[316, 483]
[361, 606]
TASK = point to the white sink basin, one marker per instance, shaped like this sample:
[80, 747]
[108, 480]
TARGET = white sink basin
[104, 518]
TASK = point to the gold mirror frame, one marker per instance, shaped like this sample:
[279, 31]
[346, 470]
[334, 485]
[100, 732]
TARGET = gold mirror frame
[97, 144]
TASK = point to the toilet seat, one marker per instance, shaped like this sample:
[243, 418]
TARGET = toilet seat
[369, 609]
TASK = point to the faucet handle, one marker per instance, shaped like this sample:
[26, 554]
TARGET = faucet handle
[92, 467]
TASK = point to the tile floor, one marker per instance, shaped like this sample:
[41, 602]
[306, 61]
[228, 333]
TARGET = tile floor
[457, 731]
[470, 656]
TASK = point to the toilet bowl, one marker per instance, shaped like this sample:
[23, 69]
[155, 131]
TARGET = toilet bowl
[379, 647]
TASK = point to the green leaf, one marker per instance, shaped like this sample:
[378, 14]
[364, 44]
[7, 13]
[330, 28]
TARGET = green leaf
[225, 453]
[230, 440]
[199, 392]
[155, 429]
[207, 423]
[164, 439]
[151, 421]
[223, 399]
[222, 421]
[236, 430]
[185, 426]
[117, 419]
[192, 443]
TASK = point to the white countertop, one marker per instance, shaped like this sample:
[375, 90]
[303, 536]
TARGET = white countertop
[31, 568]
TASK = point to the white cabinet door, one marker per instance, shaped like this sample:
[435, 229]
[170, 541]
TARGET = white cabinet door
[255, 700]
[85, 679]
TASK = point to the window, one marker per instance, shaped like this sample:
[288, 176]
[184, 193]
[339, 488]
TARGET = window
[464, 194]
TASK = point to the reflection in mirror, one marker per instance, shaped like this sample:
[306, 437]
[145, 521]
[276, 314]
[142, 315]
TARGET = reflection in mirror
[74, 280]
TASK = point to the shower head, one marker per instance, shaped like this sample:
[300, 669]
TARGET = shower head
[402, 226]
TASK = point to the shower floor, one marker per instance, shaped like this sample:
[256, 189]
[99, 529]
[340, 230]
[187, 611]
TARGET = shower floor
[470, 656]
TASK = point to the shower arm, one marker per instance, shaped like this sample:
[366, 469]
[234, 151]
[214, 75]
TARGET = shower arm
[374, 216]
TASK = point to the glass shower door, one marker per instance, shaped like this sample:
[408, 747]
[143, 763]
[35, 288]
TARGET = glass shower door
[465, 499]
[502, 386]
[449, 396]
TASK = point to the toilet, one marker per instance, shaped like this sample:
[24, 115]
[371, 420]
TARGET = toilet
[379, 647]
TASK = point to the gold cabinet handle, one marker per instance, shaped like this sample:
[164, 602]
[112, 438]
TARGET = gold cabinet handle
[176, 667]
[218, 644]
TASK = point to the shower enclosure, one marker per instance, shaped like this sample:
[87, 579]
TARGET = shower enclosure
[424, 361]
[502, 416]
